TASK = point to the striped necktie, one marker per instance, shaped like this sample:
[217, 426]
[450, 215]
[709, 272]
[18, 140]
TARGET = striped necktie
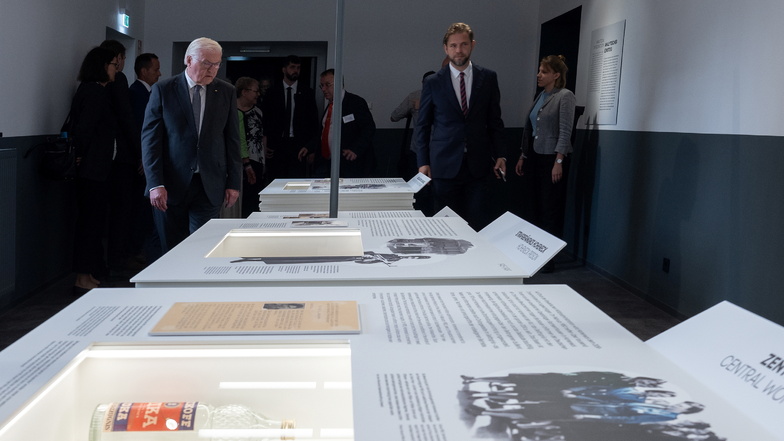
[463, 100]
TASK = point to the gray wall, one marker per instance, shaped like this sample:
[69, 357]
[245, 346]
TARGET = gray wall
[690, 172]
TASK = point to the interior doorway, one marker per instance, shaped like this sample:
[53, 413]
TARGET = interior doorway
[561, 36]
[260, 59]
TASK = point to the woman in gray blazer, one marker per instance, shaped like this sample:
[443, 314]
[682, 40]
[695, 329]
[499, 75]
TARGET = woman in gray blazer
[546, 147]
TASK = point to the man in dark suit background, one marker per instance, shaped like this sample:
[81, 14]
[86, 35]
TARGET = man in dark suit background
[191, 145]
[145, 238]
[356, 134]
[290, 123]
[148, 70]
[460, 135]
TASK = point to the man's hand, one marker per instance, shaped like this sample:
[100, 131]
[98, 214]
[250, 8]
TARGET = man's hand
[349, 155]
[250, 174]
[158, 198]
[231, 197]
[425, 170]
[500, 168]
[303, 152]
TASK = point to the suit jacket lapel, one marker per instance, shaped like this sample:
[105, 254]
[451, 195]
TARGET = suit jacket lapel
[476, 85]
[549, 98]
[449, 89]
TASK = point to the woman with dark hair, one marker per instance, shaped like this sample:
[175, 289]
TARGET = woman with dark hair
[546, 148]
[92, 129]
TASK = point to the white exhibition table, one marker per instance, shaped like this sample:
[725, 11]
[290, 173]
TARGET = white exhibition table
[397, 251]
[354, 194]
[424, 366]
[391, 214]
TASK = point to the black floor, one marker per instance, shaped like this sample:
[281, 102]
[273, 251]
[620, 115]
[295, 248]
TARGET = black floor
[635, 314]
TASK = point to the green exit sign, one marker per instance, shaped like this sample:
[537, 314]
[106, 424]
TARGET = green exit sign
[126, 20]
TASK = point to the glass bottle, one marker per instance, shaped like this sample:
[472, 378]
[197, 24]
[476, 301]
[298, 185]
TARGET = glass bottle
[184, 421]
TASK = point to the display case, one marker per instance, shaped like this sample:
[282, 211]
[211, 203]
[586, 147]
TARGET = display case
[396, 251]
[307, 382]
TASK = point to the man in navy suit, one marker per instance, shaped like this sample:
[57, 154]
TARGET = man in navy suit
[460, 136]
[148, 70]
[191, 145]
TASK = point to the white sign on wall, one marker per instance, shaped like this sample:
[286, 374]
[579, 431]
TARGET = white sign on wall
[605, 74]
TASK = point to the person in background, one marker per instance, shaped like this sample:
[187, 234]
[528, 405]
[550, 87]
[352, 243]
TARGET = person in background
[147, 244]
[544, 161]
[409, 108]
[460, 139]
[191, 145]
[264, 84]
[125, 168]
[252, 143]
[148, 70]
[290, 122]
[356, 134]
[93, 128]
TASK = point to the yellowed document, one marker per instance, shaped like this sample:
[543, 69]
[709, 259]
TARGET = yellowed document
[242, 318]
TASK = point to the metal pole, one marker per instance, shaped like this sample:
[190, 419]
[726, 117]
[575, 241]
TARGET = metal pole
[337, 112]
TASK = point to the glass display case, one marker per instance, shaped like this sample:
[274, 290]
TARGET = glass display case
[307, 382]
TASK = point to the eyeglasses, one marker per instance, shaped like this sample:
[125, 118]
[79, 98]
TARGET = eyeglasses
[116, 65]
[207, 65]
[254, 90]
[325, 85]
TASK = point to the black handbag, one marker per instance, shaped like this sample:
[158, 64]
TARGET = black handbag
[58, 155]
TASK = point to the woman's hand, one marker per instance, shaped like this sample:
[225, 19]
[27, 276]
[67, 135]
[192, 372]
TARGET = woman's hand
[519, 167]
[557, 172]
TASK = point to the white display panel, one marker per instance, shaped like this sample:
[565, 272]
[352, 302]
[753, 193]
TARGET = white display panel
[257, 215]
[428, 361]
[733, 350]
[400, 251]
[354, 194]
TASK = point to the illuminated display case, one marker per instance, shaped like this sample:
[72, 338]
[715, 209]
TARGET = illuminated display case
[309, 383]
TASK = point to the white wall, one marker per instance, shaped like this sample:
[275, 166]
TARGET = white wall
[698, 66]
[388, 45]
[42, 44]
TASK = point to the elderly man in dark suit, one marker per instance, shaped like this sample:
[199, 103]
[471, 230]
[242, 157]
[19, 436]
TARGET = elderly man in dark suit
[191, 145]
[461, 132]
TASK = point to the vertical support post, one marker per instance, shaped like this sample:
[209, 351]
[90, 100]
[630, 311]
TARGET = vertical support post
[337, 112]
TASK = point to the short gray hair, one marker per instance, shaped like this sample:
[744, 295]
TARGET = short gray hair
[201, 44]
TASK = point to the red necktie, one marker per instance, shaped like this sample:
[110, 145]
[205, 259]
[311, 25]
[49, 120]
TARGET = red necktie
[325, 133]
[463, 100]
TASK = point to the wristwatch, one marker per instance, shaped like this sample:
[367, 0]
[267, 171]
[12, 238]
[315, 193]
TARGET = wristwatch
[559, 161]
